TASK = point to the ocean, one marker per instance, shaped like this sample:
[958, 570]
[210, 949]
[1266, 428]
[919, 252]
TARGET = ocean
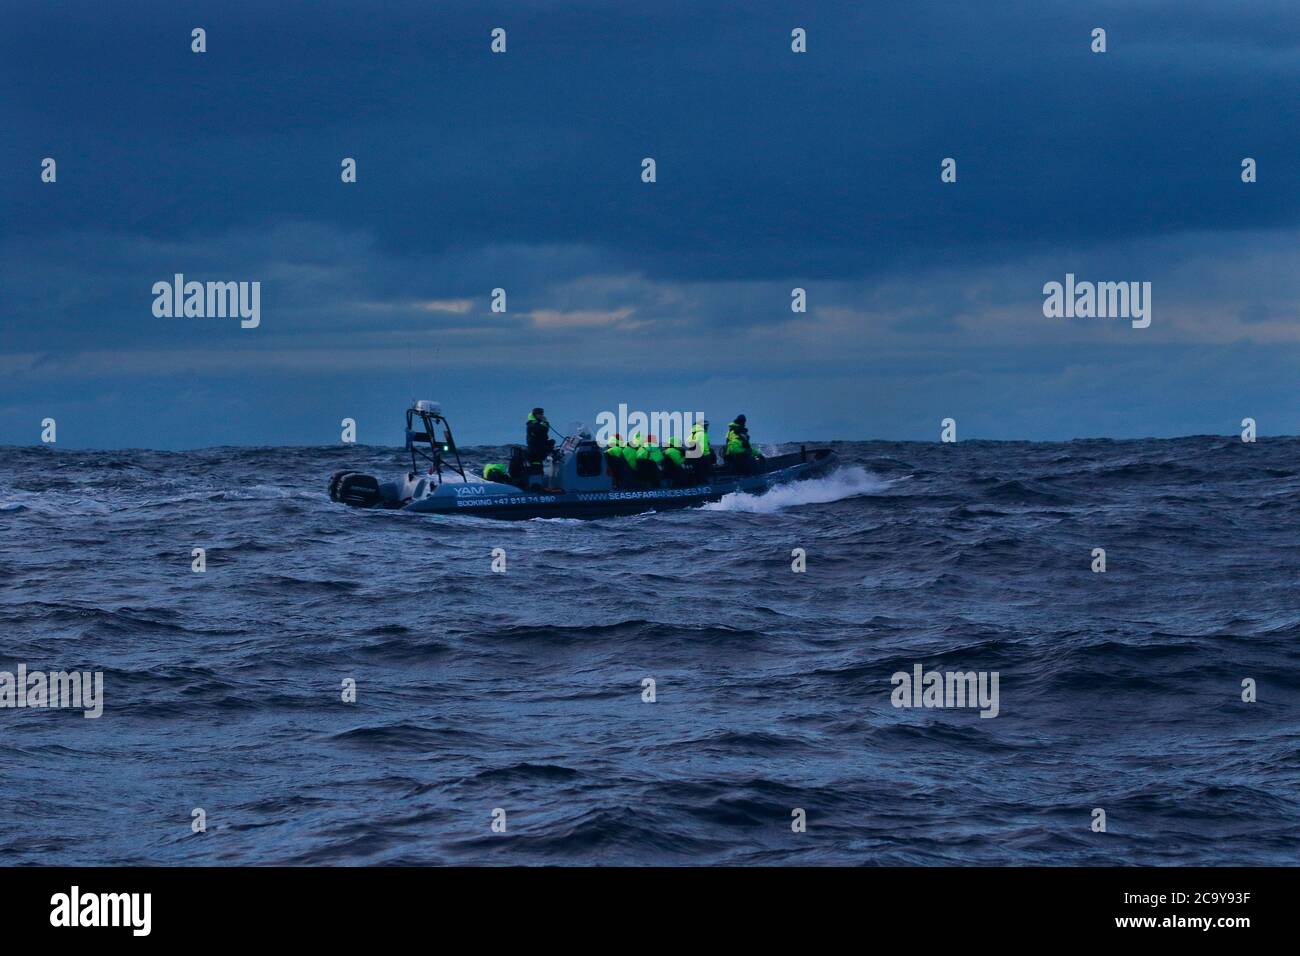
[503, 717]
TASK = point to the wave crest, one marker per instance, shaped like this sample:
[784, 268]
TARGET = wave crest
[840, 484]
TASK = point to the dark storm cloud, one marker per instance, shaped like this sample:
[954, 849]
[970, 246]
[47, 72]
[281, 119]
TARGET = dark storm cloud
[774, 170]
[820, 165]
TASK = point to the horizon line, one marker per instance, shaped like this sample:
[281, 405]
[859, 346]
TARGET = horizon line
[55, 446]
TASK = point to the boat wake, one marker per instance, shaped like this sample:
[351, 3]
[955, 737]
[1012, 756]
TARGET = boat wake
[838, 485]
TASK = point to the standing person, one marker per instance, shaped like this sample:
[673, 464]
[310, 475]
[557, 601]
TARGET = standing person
[703, 461]
[699, 453]
[537, 436]
[739, 453]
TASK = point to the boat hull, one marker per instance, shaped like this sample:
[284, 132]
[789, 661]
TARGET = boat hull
[484, 501]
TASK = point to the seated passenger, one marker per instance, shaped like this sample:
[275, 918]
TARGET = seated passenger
[674, 463]
[649, 458]
[616, 461]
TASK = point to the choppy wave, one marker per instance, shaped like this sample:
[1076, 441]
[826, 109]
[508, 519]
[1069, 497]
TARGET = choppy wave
[772, 683]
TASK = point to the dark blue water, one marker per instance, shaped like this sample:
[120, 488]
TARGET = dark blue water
[523, 690]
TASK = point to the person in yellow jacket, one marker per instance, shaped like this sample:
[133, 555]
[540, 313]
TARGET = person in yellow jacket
[739, 453]
[615, 462]
[674, 462]
[649, 460]
[698, 452]
[630, 449]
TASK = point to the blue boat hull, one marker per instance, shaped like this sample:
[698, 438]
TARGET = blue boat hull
[495, 500]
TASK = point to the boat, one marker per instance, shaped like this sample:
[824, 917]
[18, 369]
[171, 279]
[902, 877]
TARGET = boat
[576, 481]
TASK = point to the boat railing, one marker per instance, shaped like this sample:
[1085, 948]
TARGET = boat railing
[435, 457]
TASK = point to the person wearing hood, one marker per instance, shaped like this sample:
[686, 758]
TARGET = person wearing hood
[739, 453]
[616, 460]
[537, 437]
[649, 460]
[699, 454]
[674, 462]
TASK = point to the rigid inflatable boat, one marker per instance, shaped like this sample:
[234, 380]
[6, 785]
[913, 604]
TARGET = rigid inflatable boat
[575, 482]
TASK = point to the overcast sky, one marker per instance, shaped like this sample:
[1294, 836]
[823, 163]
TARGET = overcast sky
[522, 171]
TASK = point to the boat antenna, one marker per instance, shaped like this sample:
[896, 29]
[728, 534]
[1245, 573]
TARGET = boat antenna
[410, 370]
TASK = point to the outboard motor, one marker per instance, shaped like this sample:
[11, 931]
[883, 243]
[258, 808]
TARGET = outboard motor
[355, 489]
